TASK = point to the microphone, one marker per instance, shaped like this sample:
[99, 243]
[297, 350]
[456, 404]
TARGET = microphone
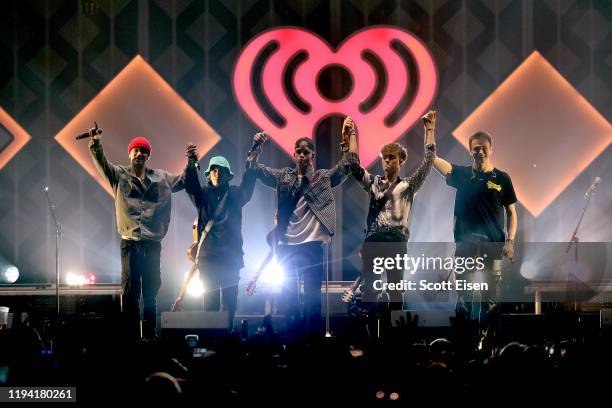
[596, 182]
[259, 142]
[95, 131]
[196, 163]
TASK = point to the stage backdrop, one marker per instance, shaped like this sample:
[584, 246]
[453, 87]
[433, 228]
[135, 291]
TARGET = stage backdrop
[58, 56]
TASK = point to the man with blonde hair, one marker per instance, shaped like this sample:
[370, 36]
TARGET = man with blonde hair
[391, 200]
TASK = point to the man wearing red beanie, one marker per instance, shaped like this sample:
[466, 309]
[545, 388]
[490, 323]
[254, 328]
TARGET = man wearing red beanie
[143, 206]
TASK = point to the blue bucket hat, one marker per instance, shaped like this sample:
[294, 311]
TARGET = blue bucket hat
[219, 161]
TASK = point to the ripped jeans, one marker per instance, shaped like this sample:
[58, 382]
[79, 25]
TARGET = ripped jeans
[478, 303]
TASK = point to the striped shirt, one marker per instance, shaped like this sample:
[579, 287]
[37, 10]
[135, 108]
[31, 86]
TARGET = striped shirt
[304, 226]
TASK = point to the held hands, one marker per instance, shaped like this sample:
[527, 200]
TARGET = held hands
[192, 153]
[258, 140]
[429, 120]
[348, 129]
[192, 150]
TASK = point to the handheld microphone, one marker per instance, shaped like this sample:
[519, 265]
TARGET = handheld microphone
[259, 142]
[596, 183]
[95, 131]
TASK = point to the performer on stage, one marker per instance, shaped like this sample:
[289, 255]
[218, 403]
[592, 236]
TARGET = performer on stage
[220, 256]
[143, 206]
[483, 193]
[391, 200]
[306, 221]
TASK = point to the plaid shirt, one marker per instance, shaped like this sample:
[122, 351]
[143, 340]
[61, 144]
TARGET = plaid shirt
[143, 207]
[317, 190]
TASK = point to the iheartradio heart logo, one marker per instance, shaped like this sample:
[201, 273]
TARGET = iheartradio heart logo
[393, 82]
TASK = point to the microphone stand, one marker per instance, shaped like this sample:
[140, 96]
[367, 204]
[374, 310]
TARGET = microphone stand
[574, 240]
[326, 265]
[57, 236]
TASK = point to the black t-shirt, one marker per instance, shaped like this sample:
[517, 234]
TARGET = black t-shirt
[479, 203]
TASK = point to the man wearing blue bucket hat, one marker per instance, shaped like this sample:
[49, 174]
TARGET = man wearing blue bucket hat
[219, 254]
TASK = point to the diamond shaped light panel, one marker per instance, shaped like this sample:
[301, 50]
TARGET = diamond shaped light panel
[138, 102]
[13, 138]
[544, 132]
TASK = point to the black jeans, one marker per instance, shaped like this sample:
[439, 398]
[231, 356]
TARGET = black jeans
[385, 245]
[305, 260]
[220, 279]
[140, 273]
[479, 304]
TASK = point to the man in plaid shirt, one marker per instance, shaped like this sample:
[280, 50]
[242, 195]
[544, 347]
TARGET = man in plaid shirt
[306, 220]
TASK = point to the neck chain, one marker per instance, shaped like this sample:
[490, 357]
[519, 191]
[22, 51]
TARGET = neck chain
[493, 175]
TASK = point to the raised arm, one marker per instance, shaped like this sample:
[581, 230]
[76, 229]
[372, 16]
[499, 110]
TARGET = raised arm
[178, 182]
[349, 136]
[247, 186]
[105, 168]
[416, 180]
[442, 166]
[349, 142]
[268, 176]
[342, 170]
[429, 122]
[192, 181]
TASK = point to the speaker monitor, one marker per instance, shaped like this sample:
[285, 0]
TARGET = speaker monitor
[210, 327]
[195, 319]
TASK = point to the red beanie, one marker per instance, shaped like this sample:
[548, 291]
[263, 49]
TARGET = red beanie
[141, 142]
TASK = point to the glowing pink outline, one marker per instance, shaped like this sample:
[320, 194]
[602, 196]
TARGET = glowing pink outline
[20, 138]
[372, 129]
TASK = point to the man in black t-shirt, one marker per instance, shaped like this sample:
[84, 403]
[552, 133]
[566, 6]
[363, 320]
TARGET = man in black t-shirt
[484, 193]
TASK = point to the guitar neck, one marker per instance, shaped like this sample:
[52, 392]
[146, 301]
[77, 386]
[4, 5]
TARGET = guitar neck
[355, 284]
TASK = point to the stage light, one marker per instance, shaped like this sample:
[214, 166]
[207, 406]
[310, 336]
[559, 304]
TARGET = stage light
[273, 274]
[75, 279]
[195, 287]
[10, 274]
[529, 270]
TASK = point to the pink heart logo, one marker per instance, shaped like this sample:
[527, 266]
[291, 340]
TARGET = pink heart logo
[284, 65]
